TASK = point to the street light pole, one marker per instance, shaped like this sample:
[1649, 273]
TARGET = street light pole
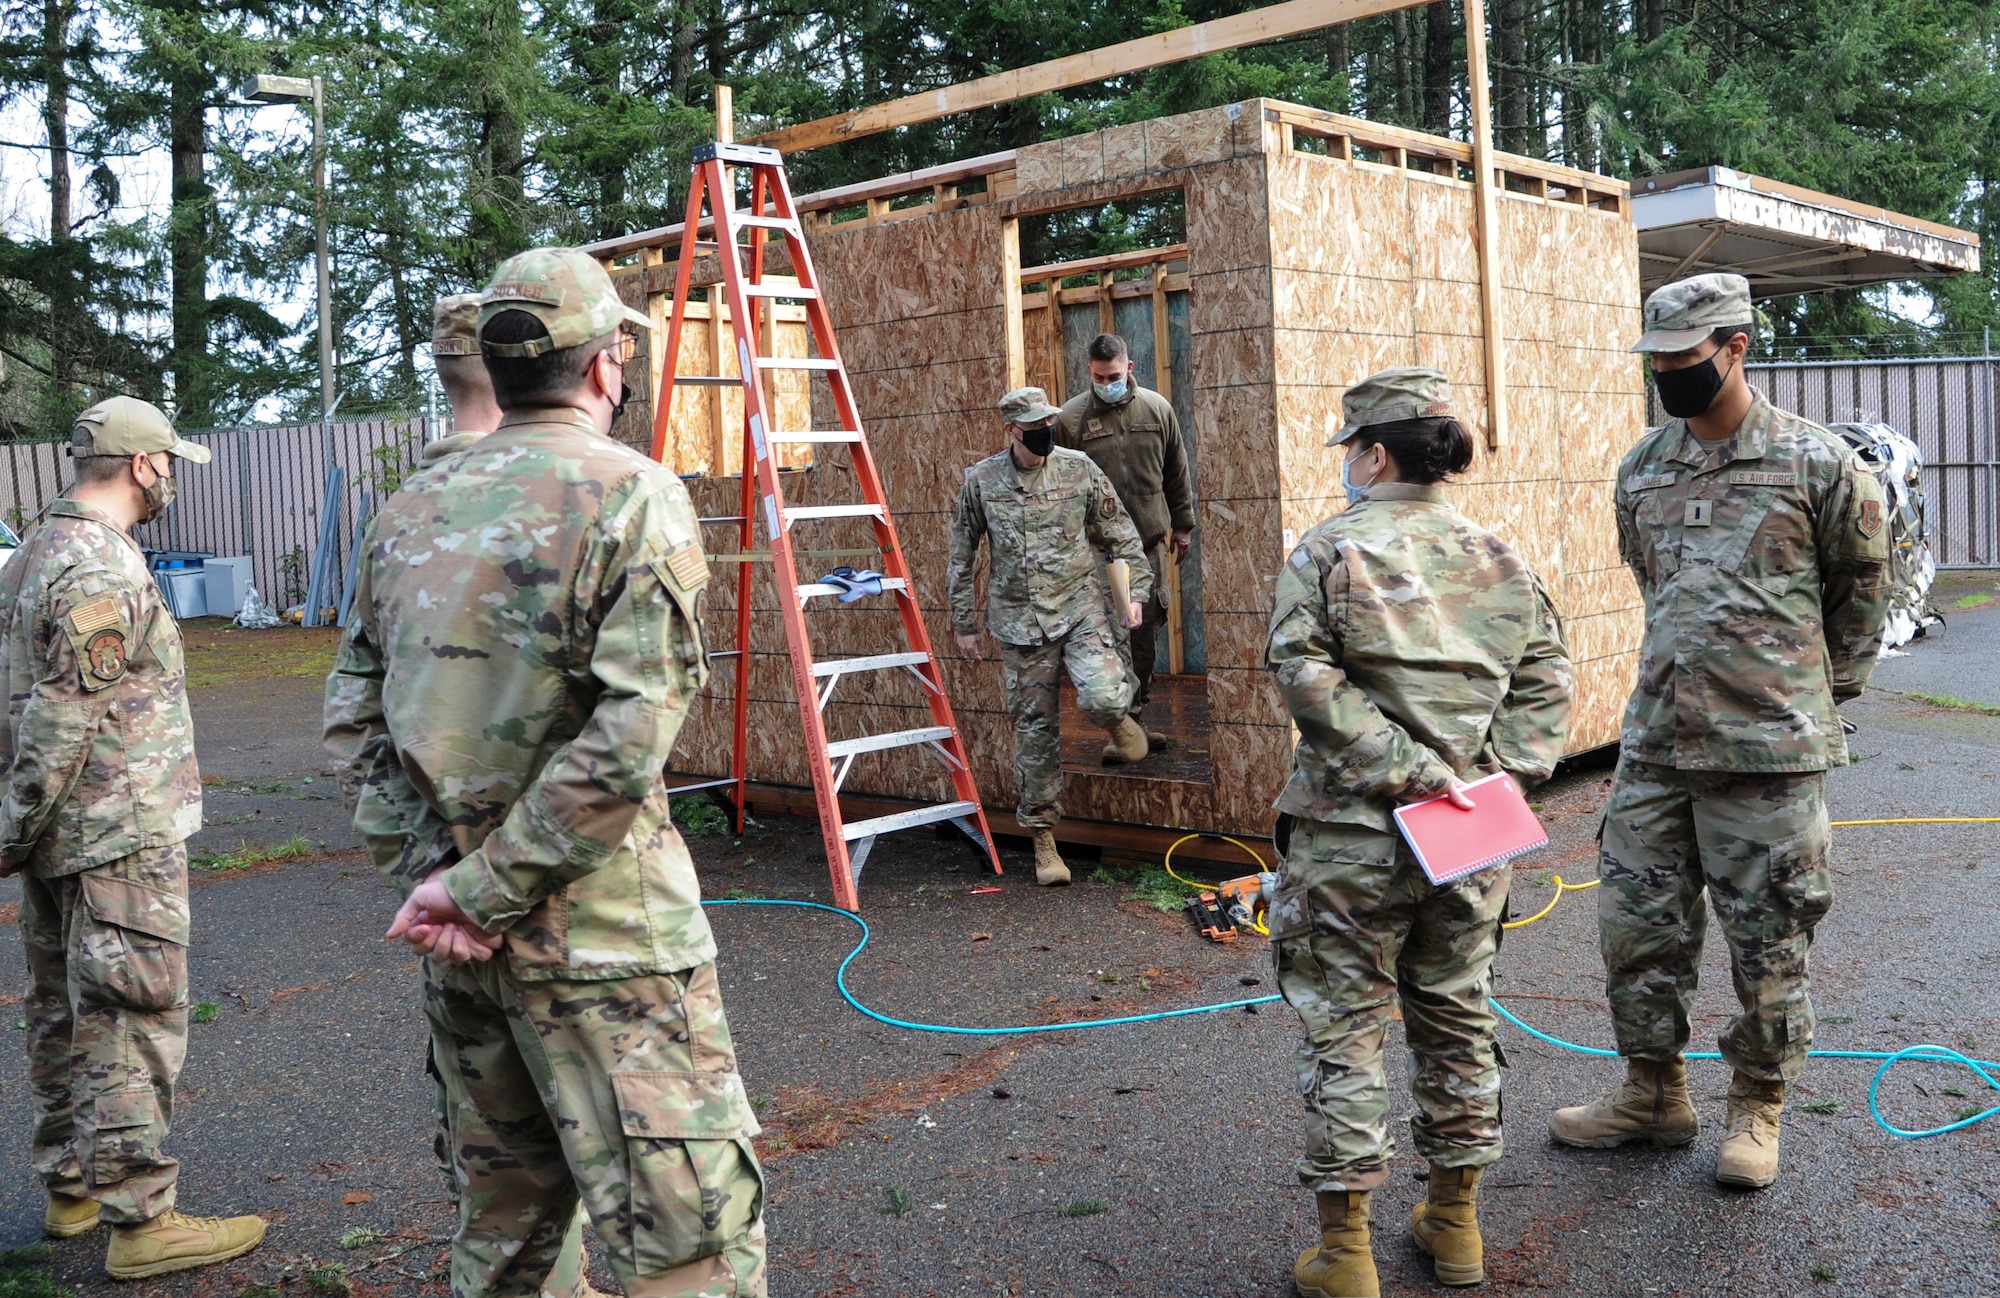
[319, 242]
[266, 88]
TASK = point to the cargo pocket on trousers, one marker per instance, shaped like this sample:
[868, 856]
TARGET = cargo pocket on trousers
[1801, 878]
[695, 1184]
[133, 952]
[126, 1139]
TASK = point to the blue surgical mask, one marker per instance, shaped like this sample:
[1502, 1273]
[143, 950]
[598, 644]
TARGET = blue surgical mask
[1355, 493]
[1110, 392]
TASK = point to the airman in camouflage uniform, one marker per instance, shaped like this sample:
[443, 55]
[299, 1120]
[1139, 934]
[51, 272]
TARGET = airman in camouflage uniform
[462, 371]
[525, 646]
[469, 393]
[1054, 521]
[1412, 648]
[1760, 544]
[102, 792]
[1133, 434]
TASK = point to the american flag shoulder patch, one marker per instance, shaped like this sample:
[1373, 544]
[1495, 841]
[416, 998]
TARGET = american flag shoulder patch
[96, 615]
[689, 565]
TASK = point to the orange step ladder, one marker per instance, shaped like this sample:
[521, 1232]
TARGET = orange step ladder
[772, 213]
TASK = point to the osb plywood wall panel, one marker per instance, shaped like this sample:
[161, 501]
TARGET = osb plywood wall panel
[691, 430]
[1376, 266]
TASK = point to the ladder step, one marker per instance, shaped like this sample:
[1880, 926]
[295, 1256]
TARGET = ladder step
[707, 245]
[817, 436]
[744, 221]
[794, 363]
[706, 784]
[827, 588]
[870, 663]
[892, 739]
[720, 518]
[798, 291]
[908, 819]
[709, 380]
[832, 511]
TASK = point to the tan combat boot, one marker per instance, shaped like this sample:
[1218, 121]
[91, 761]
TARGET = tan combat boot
[1446, 1225]
[172, 1242]
[69, 1217]
[1050, 871]
[1128, 743]
[1748, 1157]
[1341, 1265]
[1652, 1106]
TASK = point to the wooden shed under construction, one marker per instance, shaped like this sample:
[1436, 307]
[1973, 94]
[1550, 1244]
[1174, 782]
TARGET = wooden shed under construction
[1317, 249]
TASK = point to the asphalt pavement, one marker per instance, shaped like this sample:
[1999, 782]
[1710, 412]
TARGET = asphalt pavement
[1149, 1159]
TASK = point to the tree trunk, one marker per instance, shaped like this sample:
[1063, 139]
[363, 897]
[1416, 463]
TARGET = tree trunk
[1654, 24]
[1338, 57]
[56, 18]
[602, 64]
[498, 200]
[1510, 106]
[1440, 58]
[1406, 68]
[187, 240]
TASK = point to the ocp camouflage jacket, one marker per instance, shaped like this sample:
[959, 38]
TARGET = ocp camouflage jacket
[1411, 645]
[1764, 566]
[98, 749]
[524, 648]
[1052, 531]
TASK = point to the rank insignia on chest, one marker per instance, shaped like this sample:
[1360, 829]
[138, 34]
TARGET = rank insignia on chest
[1095, 428]
[1870, 520]
[105, 652]
[1698, 513]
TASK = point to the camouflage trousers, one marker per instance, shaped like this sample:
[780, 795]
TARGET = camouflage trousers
[107, 1011]
[1357, 928]
[1139, 648]
[1033, 672]
[566, 1277]
[622, 1095]
[1758, 845]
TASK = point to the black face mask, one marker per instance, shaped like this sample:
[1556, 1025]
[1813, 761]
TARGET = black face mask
[1039, 441]
[1688, 393]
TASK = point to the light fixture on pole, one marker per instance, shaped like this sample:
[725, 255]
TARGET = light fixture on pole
[265, 88]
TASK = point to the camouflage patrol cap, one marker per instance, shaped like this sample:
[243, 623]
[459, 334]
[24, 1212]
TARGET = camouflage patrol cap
[1681, 314]
[126, 426]
[1027, 406]
[566, 289]
[1405, 392]
[455, 325]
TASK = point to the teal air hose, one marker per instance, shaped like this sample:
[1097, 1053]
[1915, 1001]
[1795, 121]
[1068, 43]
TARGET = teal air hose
[1889, 1059]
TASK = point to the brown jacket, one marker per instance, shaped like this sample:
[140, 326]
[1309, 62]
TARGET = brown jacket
[1137, 443]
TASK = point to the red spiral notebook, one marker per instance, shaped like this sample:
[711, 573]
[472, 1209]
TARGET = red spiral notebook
[1451, 842]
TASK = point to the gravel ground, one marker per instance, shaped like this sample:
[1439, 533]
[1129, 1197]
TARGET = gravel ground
[1149, 1159]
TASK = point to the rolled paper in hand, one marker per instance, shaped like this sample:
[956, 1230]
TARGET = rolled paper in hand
[1120, 573]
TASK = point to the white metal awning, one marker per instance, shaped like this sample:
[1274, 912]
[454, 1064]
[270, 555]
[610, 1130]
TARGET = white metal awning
[1784, 239]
